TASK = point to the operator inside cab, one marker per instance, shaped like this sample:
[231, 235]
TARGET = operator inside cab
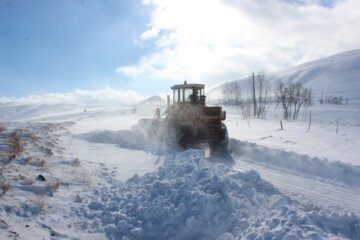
[188, 93]
[194, 97]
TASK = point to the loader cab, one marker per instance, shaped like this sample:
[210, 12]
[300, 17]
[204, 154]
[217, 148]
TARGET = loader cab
[193, 94]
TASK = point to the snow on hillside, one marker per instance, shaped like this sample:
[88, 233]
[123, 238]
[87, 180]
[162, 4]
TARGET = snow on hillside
[15, 111]
[335, 75]
[338, 75]
[154, 100]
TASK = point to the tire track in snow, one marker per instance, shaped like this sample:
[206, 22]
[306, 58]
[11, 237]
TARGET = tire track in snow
[301, 188]
[277, 177]
[304, 165]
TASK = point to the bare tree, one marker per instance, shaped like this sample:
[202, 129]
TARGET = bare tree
[262, 92]
[232, 93]
[246, 104]
[293, 97]
[282, 99]
[308, 101]
[257, 102]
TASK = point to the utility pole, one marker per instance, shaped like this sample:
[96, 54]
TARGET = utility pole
[254, 96]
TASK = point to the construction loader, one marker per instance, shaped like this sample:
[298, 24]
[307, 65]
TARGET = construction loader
[188, 121]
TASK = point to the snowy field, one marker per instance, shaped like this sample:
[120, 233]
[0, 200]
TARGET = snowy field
[83, 174]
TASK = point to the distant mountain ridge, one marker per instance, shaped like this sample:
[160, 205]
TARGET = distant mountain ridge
[153, 100]
[334, 75]
[10, 111]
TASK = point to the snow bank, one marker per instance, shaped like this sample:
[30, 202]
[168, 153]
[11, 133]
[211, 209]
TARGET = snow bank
[122, 138]
[191, 198]
[129, 139]
[303, 164]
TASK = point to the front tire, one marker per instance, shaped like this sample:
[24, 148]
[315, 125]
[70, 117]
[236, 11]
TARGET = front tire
[221, 145]
[183, 137]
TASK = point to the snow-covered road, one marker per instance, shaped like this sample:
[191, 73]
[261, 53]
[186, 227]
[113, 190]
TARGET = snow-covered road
[315, 192]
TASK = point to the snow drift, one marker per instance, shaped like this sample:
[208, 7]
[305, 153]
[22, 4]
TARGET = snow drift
[190, 198]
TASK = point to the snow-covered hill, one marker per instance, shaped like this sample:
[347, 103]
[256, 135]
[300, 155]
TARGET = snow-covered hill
[152, 100]
[14, 111]
[11, 111]
[335, 75]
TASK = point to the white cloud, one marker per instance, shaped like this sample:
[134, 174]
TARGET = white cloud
[213, 40]
[80, 97]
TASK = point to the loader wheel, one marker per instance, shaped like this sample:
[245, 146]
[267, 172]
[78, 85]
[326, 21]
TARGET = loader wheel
[178, 136]
[183, 137]
[222, 144]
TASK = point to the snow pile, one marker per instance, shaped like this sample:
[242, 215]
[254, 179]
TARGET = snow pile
[290, 161]
[190, 198]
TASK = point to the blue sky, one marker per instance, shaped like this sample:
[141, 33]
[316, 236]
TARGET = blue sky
[144, 46]
[61, 45]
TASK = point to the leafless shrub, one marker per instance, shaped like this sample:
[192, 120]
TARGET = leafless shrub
[18, 148]
[16, 143]
[2, 128]
[33, 137]
[48, 152]
[4, 184]
[42, 163]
